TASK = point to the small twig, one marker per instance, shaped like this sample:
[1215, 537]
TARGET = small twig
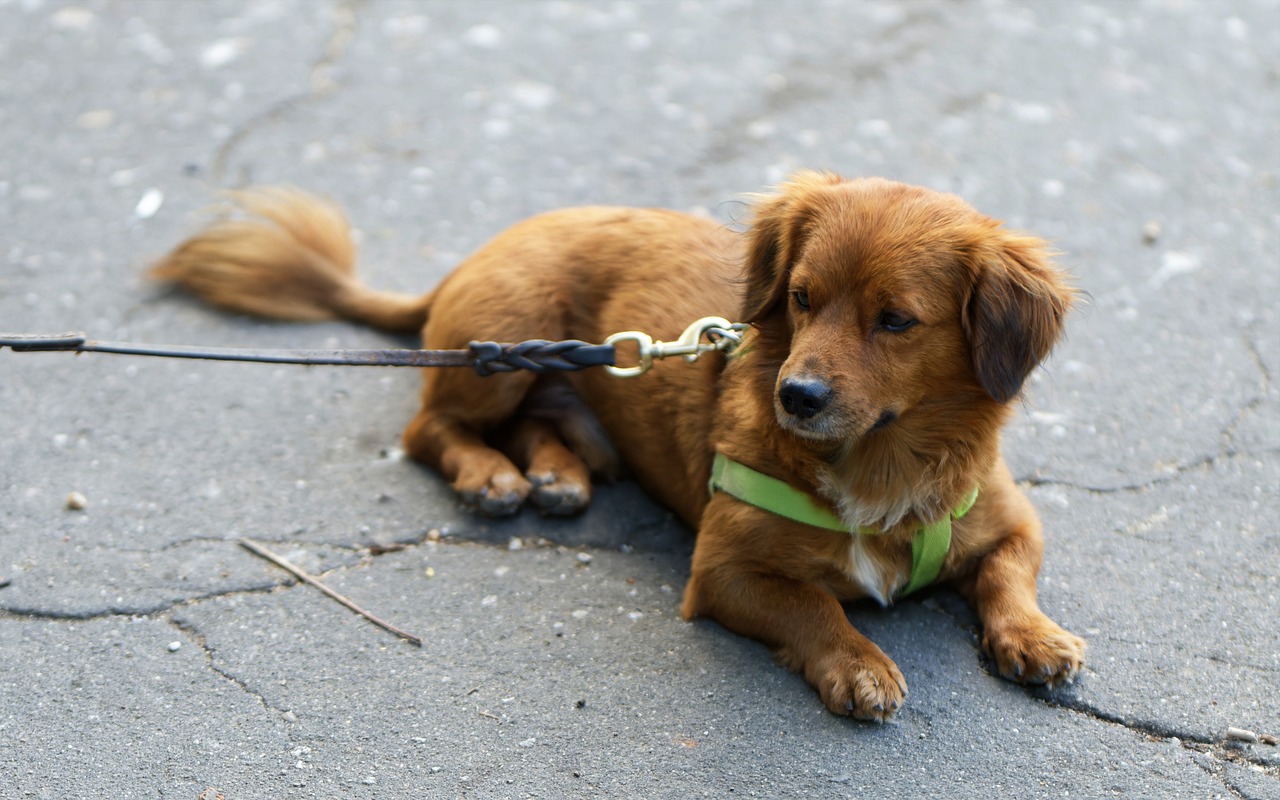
[279, 561]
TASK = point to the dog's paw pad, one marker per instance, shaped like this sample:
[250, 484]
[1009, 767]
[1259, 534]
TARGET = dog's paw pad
[556, 495]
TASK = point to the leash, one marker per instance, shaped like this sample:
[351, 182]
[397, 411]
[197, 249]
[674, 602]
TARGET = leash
[487, 358]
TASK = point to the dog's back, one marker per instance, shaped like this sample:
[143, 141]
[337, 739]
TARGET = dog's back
[578, 273]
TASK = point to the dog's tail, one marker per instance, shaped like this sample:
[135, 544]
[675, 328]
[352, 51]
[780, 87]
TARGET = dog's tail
[286, 254]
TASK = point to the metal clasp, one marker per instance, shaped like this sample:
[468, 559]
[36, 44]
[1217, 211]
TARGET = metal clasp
[721, 335]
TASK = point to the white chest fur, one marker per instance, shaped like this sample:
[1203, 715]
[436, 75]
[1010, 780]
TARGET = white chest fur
[875, 577]
[870, 573]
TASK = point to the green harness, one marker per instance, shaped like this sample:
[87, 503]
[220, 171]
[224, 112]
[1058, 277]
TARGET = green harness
[928, 548]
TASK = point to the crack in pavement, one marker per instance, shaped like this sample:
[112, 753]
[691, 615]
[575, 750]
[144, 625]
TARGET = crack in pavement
[321, 85]
[809, 78]
[158, 609]
[1218, 750]
[174, 545]
[1175, 473]
[1216, 768]
[20, 612]
[1226, 435]
[120, 609]
[1256, 354]
[1264, 389]
[191, 633]
[1188, 652]
[1234, 664]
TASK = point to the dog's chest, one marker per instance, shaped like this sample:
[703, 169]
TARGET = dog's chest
[869, 567]
[872, 572]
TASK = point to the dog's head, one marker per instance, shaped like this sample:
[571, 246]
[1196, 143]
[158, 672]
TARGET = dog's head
[881, 300]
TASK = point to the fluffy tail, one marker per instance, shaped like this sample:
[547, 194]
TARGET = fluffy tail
[287, 255]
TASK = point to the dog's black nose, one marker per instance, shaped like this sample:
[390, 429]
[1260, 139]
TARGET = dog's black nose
[804, 397]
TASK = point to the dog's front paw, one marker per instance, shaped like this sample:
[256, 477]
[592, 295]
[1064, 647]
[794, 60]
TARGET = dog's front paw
[499, 494]
[860, 682]
[1034, 651]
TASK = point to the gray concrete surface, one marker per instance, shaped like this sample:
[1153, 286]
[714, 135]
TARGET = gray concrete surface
[144, 654]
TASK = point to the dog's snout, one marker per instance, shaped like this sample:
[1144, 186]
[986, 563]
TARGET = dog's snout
[804, 397]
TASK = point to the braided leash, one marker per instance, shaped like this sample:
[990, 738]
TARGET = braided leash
[540, 355]
[487, 358]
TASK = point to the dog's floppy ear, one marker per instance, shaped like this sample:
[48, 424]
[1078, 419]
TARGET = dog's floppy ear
[1015, 311]
[774, 241]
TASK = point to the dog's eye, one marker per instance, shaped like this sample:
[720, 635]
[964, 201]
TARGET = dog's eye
[895, 321]
[802, 298]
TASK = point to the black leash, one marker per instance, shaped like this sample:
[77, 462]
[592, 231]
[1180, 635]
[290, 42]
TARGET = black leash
[487, 358]
[709, 334]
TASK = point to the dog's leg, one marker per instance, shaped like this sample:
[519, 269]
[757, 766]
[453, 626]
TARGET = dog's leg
[458, 408]
[804, 624]
[561, 481]
[1027, 646]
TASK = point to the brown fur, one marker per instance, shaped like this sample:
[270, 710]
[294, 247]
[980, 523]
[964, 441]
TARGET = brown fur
[923, 319]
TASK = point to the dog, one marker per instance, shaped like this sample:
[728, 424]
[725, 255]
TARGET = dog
[891, 331]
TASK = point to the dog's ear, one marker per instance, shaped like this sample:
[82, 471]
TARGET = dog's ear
[1014, 313]
[778, 229]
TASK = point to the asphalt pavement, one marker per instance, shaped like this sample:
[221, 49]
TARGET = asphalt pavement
[145, 654]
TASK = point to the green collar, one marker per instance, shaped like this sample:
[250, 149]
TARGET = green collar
[928, 548]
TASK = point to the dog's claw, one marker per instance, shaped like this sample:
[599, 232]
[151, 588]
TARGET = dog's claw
[499, 505]
[493, 503]
[496, 495]
[556, 495]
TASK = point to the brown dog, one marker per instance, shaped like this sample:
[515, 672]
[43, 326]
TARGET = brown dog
[892, 327]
